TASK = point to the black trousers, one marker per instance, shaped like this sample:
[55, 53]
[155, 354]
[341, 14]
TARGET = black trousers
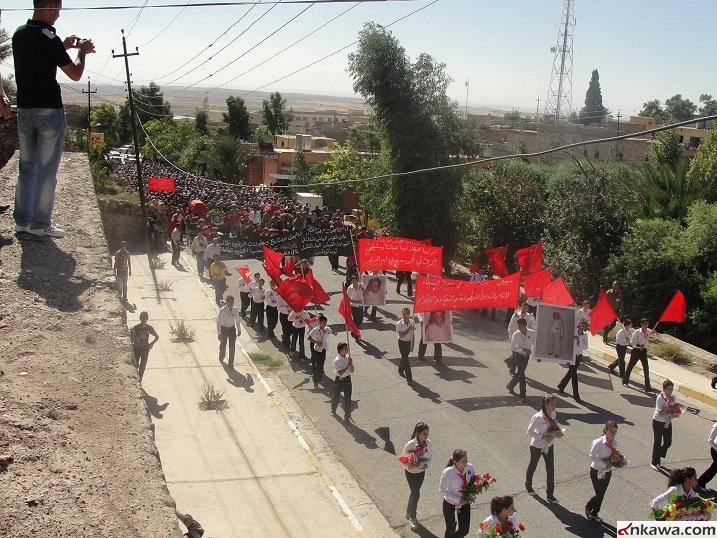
[334, 261]
[141, 354]
[318, 358]
[535, 454]
[572, 374]
[620, 361]
[405, 366]
[342, 385]
[402, 276]
[297, 335]
[600, 486]
[521, 363]
[415, 481]
[607, 330]
[357, 315]
[228, 334]
[286, 329]
[437, 351]
[710, 473]
[638, 354]
[463, 517]
[257, 314]
[661, 440]
[245, 301]
[272, 317]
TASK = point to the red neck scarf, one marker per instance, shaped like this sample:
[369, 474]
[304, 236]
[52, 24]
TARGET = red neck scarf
[462, 476]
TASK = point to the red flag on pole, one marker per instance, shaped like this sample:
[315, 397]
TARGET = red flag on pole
[296, 292]
[676, 309]
[161, 184]
[534, 284]
[496, 260]
[557, 293]
[320, 296]
[245, 272]
[602, 314]
[289, 266]
[345, 311]
[272, 262]
[530, 258]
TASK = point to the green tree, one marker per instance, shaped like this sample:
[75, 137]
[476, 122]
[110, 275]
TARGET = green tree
[593, 111]
[300, 168]
[5, 52]
[168, 138]
[679, 109]
[276, 117]
[653, 109]
[261, 134]
[237, 118]
[703, 168]
[420, 125]
[149, 104]
[665, 149]
[709, 105]
[231, 161]
[513, 115]
[105, 119]
[667, 192]
[200, 120]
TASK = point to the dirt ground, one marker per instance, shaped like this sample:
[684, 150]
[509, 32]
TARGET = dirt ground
[74, 429]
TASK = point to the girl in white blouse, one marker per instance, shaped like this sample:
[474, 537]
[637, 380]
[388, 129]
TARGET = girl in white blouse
[541, 444]
[502, 512]
[600, 471]
[662, 423]
[681, 481]
[420, 445]
[454, 478]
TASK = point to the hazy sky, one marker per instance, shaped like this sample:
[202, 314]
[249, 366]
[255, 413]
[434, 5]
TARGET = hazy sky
[643, 49]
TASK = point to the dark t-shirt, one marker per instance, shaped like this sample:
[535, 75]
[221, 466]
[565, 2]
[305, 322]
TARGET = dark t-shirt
[38, 52]
[141, 334]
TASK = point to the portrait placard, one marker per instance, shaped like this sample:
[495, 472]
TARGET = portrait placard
[555, 331]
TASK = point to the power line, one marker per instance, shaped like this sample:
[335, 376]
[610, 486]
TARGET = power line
[136, 19]
[210, 4]
[168, 25]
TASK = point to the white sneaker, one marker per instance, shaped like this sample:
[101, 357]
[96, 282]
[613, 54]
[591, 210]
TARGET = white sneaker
[50, 231]
[20, 229]
[413, 523]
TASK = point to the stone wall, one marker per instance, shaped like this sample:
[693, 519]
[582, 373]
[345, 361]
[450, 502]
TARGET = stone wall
[122, 221]
[8, 138]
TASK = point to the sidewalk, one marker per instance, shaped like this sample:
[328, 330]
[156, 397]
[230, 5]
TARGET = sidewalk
[686, 382]
[254, 469]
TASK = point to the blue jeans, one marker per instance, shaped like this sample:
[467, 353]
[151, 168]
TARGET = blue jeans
[42, 136]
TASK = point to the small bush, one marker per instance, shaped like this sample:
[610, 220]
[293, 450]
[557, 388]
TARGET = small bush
[671, 352]
[212, 398]
[266, 360]
[165, 285]
[182, 332]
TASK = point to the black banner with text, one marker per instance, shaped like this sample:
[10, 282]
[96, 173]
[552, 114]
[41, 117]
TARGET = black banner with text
[309, 242]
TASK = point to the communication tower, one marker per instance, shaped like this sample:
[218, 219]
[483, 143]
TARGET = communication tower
[559, 102]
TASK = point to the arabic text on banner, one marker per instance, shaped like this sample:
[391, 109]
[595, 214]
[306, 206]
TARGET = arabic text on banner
[399, 254]
[447, 294]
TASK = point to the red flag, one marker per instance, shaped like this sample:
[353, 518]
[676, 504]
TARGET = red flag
[602, 314]
[530, 258]
[296, 292]
[535, 283]
[345, 311]
[676, 309]
[446, 294]
[320, 296]
[161, 184]
[289, 266]
[496, 260]
[557, 293]
[399, 254]
[272, 262]
[245, 272]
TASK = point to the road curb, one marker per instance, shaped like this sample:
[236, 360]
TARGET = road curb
[687, 390]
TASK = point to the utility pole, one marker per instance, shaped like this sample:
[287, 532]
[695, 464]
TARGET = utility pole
[617, 142]
[135, 138]
[468, 85]
[537, 110]
[89, 112]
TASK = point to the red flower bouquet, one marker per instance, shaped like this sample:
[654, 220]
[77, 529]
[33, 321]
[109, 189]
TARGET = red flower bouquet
[501, 531]
[476, 486]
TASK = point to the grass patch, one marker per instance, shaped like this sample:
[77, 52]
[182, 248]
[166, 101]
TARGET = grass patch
[671, 352]
[266, 360]
[165, 285]
[182, 332]
[212, 398]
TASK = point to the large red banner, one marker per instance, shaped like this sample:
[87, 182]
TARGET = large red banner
[445, 294]
[399, 254]
[161, 184]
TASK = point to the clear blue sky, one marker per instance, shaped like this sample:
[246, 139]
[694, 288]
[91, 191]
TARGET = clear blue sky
[643, 49]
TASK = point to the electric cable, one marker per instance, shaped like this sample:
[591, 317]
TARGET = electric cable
[168, 25]
[206, 4]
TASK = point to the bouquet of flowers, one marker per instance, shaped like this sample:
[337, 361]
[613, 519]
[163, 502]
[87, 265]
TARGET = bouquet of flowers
[476, 486]
[501, 531]
[676, 411]
[410, 459]
[615, 461]
[554, 427]
[679, 508]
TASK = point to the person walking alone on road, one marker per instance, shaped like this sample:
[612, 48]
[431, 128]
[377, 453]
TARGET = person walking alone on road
[406, 329]
[319, 341]
[344, 368]
[228, 328]
[176, 240]
[662, 423]
[420, 445]
[601, 471]
[140, 341]
[218, 272]
[123, 269]
[454, 478]
[521, 345]
[543, 430]
[199, 245]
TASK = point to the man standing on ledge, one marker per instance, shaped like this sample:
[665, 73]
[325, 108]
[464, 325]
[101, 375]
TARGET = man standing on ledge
[38, 52]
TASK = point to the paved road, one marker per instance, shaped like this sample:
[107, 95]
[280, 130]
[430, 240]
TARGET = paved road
[466, 405]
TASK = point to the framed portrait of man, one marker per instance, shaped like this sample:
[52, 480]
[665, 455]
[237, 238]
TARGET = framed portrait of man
[437, 327]
[375, 290]
[555, 331]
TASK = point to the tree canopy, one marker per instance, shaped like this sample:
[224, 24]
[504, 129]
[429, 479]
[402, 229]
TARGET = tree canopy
[593, 111]
[276, 117]
[237, 118]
